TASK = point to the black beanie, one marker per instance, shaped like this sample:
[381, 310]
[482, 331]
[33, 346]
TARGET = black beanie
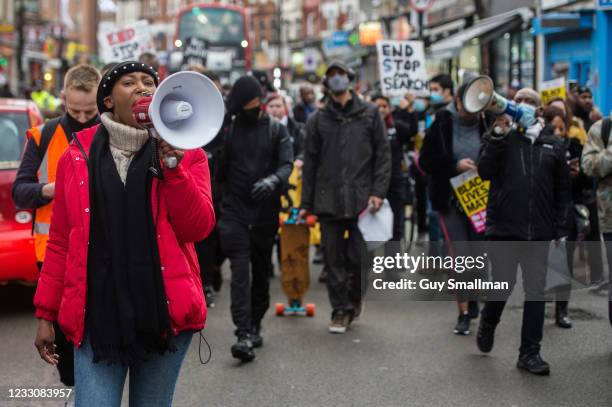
[245, 89]
[112, 76]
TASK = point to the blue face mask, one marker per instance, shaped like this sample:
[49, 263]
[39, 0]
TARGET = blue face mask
[528, 118]
[419, 105]
[436, 98]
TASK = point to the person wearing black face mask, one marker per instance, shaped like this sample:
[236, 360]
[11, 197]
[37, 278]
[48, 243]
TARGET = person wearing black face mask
[253, 170]
[34, 186]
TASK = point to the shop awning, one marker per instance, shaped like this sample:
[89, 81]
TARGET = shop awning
[485, 29]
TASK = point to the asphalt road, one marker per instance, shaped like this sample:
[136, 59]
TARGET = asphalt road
[399, 354]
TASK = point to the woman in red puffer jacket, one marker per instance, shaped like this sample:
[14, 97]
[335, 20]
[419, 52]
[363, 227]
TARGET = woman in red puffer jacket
[121, 275]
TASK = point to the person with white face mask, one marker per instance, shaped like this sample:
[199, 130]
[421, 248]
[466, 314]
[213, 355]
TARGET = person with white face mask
[529, 201]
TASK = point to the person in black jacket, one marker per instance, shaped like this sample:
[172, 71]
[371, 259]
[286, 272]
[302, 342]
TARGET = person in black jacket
[254, 168]
[347, 167]
[400, 134]
[452, 147]
[529, 201]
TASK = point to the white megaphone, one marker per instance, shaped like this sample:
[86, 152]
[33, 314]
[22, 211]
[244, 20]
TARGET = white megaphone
[187, 110]
[480, 95]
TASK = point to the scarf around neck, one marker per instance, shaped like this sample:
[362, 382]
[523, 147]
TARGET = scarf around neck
[127, 312]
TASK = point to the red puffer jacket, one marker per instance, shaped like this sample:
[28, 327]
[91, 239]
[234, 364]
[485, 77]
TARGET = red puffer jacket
[186, 215]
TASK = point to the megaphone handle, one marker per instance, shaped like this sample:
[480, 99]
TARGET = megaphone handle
[171, 162]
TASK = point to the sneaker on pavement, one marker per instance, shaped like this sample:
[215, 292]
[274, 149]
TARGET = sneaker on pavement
[243, 348]
[463, 325]
[339, 323]
[485, 336]
[533, 363]
[256, 337]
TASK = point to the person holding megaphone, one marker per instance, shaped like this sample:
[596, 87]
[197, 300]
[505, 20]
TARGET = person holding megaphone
[529, 206]
[120, 258]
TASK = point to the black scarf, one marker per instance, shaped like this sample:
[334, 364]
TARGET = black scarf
[127, 313]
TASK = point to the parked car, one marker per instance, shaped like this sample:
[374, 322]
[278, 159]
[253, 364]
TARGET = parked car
[17, 259]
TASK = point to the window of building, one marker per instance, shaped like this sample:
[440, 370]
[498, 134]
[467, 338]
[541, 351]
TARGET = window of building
[310, 25]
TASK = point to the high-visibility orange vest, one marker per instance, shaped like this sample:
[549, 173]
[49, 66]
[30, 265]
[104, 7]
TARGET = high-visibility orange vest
[46, 174]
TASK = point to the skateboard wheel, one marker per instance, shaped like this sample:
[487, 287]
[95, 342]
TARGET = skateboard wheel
[311, 220]
[280, 309]
[310, 310]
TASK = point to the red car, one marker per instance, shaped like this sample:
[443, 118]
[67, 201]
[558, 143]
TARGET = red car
[17, 259]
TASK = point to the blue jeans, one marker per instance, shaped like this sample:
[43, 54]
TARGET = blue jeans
[151, 383]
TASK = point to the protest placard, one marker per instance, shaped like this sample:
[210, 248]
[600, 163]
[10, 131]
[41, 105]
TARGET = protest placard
[401, 67]
[473, 194]
[125, 43]
[554, 89]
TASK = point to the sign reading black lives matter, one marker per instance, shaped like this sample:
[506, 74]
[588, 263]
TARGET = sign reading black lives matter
[401, 67]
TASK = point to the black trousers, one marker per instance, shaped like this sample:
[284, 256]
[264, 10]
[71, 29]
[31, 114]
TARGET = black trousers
[343, 260]
[532, 257]
[249, 249]
[65, 350]
[397, 199]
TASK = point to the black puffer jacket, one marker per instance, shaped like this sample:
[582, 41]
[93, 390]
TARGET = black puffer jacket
[346, 159]
[530, 196]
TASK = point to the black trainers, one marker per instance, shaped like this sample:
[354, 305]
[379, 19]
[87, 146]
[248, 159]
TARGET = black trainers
[485, 336]
[473, 309]
[256, 337]
[339, 323]
[533, 363]
[243, 348]
[209, 295]
[463, 325]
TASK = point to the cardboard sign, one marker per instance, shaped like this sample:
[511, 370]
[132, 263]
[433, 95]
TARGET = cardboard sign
[401, 67]
[554, 89]
[126, 43]
[473, 194]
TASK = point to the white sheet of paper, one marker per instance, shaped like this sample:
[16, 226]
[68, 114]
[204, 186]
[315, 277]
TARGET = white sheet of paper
[377, 227]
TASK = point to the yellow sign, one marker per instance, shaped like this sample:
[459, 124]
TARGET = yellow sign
[551, 90]
[73, 48]
[473, 194]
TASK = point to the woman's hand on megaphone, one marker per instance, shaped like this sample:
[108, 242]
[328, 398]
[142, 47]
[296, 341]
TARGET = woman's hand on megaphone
[166, 151]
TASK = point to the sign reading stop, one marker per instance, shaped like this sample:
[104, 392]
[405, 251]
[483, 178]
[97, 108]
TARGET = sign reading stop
[421, 5]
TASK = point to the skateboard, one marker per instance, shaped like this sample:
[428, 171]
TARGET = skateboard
[294, 265]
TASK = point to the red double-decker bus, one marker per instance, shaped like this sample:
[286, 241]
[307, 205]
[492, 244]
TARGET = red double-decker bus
[215, 35]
